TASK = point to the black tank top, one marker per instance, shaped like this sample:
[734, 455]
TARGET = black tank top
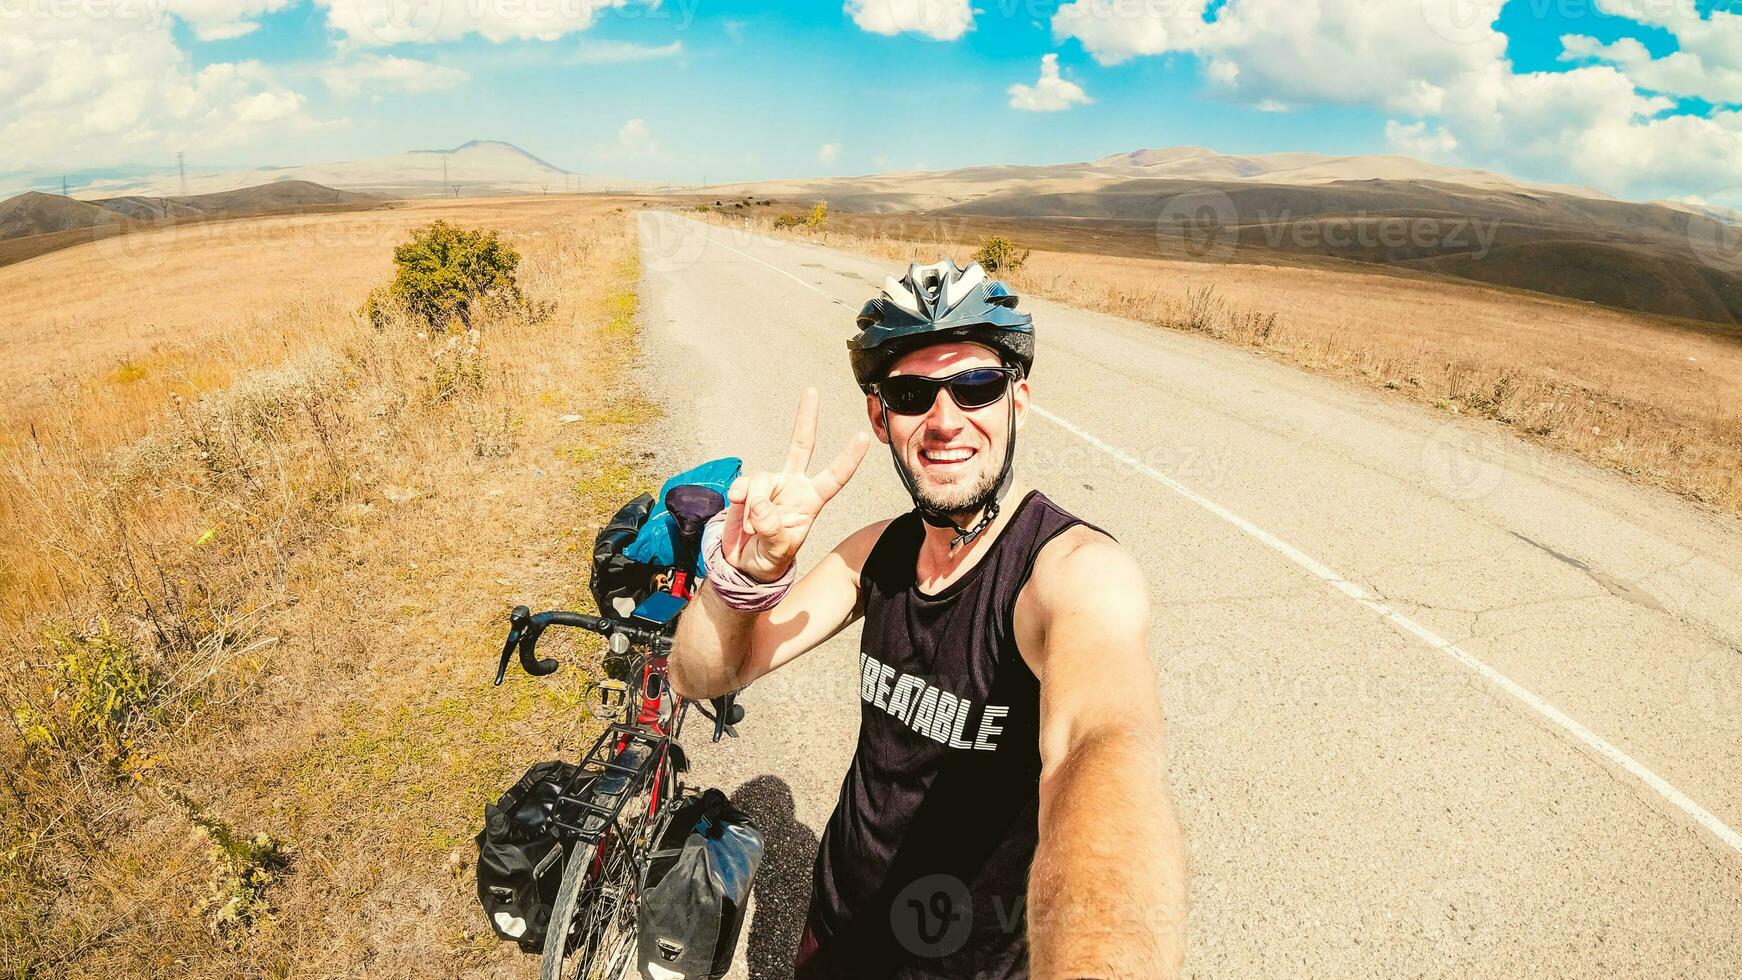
[923, 869]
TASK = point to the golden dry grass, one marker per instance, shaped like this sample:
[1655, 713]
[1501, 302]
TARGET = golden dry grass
[1659, 400]
[253, 523]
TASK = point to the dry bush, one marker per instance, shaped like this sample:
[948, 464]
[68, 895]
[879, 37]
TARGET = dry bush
[245, 671]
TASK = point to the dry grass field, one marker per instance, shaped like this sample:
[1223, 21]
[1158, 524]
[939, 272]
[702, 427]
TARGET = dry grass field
[1655, 398]
[255, 560]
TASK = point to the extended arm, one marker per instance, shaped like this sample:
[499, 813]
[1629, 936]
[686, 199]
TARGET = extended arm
[1107, 893]
[719, 649]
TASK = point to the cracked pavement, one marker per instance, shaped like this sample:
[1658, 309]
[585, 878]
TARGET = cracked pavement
[1357, 803]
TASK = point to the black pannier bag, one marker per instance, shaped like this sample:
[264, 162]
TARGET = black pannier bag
[520, 859]
[698, 884]
[618, 583]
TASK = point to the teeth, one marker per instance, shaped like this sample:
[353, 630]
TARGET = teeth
[948, 455]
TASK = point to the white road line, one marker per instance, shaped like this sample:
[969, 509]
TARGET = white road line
[1595, 742]
[1325, 573]
[711, 240]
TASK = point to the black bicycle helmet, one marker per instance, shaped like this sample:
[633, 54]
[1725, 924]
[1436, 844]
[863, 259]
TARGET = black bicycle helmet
[935, 304]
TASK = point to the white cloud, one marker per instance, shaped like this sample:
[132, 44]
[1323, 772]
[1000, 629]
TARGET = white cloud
[214, 20]
[1289, 51]
[623, 52]
[112, 89]
[829, 152]
[1707, 64]
[1119, 30]
[1440, 68]
[1050, 93]
[1418, 139]
[636, 139]
[380, 74]
[942, 20]
[380, 22]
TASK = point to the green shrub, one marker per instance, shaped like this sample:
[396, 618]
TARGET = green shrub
[444, 273]
[999, 254]
[93, 696]
[786, 221]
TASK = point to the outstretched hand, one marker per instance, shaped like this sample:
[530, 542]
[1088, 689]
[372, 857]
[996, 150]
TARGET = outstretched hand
[770, 512]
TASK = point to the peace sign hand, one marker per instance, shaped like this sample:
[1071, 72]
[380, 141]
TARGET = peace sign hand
[770, 513]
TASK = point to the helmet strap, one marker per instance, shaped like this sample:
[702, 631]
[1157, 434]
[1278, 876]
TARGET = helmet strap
[964, 535]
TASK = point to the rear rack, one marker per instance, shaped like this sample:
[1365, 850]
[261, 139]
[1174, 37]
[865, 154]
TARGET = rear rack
[594, 797]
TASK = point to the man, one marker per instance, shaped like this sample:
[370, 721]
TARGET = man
[1007, 812]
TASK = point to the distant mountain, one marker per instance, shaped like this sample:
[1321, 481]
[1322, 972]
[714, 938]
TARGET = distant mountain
[34, 213]
[479, 167]
[1198, 163]
[1676, 260]
[913, 190]
[33, 223]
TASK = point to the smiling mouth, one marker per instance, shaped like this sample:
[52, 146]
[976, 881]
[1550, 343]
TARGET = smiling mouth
[946, 457]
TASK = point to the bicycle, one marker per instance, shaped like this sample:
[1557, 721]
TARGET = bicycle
[611, 814]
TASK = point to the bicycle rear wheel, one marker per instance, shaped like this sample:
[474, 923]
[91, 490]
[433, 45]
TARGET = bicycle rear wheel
[592, 932]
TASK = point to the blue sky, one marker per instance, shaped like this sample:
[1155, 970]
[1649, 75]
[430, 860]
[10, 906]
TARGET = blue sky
[1638, 97]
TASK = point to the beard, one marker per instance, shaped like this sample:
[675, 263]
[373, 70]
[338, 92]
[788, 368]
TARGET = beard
[963, 501]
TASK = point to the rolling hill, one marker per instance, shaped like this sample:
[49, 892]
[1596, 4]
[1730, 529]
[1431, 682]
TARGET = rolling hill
[1307, 208]
[32, 223]
[474, 169]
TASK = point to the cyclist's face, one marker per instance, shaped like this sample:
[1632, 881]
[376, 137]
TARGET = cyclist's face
[954, 454]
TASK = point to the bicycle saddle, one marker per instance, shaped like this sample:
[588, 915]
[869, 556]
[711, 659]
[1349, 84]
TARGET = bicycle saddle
[692, 505]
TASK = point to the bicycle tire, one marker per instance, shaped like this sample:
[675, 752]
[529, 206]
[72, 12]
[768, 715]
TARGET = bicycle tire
[611, 901]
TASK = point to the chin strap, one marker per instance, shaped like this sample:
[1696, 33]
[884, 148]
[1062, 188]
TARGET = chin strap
[937, 519]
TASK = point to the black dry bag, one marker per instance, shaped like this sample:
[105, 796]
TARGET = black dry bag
[692, 907]
[520, 858]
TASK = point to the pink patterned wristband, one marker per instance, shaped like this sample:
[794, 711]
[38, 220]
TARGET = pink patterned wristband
[736, 589]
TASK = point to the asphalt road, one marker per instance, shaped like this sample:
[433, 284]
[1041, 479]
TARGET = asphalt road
[1439, 703]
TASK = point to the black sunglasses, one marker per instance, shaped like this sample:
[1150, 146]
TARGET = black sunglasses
[914, 394]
